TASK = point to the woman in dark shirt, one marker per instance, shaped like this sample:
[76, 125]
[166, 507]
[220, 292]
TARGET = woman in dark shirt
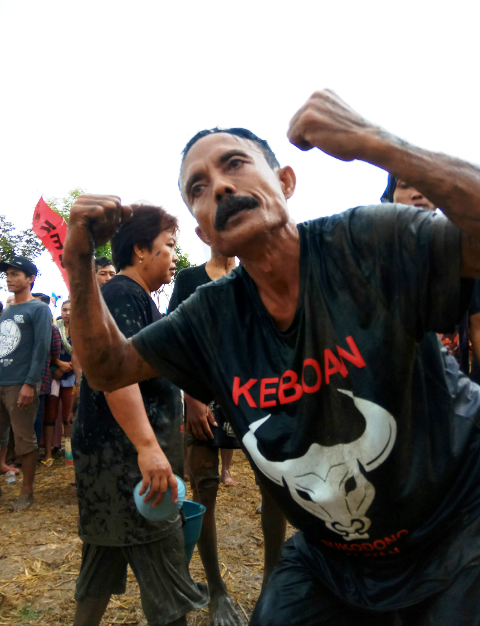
[132, 434]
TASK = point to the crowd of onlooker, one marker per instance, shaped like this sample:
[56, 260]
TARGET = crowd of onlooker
[38, 376]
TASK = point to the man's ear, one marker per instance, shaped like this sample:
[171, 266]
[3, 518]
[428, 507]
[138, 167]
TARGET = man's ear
[201, 235]
[288, 180]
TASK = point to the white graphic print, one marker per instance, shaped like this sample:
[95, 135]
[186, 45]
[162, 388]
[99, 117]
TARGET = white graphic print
[18, 319]
[327, 481]
[9, 337]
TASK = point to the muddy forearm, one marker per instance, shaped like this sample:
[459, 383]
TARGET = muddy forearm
[450, 183]
[99, 345]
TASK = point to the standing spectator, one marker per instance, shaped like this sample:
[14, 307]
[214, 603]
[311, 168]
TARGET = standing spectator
[66, 381]
[104, 270]
[52, 360]
[130, 434]
[25, 334]
[5, 437]
[207, 432]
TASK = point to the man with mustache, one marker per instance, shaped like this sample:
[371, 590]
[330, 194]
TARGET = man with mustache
[323, 319]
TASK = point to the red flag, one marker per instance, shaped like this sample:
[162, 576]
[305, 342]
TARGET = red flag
[52, 230]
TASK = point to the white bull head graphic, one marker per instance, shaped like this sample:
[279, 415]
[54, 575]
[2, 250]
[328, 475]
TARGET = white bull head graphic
[327, 481]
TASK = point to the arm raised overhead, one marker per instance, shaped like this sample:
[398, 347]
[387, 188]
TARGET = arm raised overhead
[328, 123]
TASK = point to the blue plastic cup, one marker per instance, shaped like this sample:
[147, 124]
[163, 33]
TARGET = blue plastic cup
[166, 508]
[193, 525]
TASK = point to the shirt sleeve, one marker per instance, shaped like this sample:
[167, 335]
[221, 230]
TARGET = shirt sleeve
[412, 259]
[42, 329]
[171, 346]
[56, 344]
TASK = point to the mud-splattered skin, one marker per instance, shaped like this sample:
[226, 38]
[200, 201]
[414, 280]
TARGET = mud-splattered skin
[105, 460]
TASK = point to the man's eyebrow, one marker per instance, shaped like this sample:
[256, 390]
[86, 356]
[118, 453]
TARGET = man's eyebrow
[192, 180]
[228, 155]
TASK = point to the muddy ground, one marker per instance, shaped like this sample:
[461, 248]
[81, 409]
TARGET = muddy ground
[40, 552]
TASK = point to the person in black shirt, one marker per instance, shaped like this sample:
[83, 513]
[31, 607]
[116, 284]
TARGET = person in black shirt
[458, 342]
[311, 349]
[207, 432]
[128, 436]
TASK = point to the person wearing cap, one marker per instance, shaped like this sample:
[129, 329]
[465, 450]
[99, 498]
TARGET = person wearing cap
[25, 335]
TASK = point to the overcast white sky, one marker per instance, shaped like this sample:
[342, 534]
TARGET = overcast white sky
[104, 95]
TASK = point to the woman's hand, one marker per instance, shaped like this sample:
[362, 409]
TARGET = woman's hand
[156, 472]
[65, 366]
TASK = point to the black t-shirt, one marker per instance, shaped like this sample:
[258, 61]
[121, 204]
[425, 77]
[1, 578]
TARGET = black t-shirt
[357, 431]
[186, 283]
[106, 466]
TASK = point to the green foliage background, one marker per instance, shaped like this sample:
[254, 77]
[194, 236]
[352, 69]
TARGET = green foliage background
[15, 242]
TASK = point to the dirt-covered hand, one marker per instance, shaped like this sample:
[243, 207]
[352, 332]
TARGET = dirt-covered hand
[156, 473]
[327, 122]
[93, 221]
[199, 419]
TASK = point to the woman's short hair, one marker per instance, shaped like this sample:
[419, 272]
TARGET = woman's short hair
[146, 223]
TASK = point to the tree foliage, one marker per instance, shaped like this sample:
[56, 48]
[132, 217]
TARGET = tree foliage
[62, 206]
[15, 242]
[183, 261]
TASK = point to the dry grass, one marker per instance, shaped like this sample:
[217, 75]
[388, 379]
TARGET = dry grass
[40, 552]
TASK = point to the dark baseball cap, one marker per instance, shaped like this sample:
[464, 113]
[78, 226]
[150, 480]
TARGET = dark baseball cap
[21, 263]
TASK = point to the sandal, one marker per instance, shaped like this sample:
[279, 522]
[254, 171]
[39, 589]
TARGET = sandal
[48, 463]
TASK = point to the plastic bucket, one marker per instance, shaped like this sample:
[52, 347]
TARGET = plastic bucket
[193, 525]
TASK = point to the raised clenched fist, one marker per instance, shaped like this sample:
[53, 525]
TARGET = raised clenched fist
[93, 221]
[326, 122]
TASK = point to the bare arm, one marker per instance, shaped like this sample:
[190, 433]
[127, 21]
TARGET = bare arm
[128, 409]
[328, 123]
[107, 358]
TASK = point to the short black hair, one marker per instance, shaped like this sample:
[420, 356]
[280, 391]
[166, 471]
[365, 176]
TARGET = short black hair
[243, 133]
[102, 261]
[146, 223]
[42, 296]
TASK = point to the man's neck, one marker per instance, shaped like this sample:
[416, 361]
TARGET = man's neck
[219, 266]
[275, 268]
[23, 296]
[131, 272]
